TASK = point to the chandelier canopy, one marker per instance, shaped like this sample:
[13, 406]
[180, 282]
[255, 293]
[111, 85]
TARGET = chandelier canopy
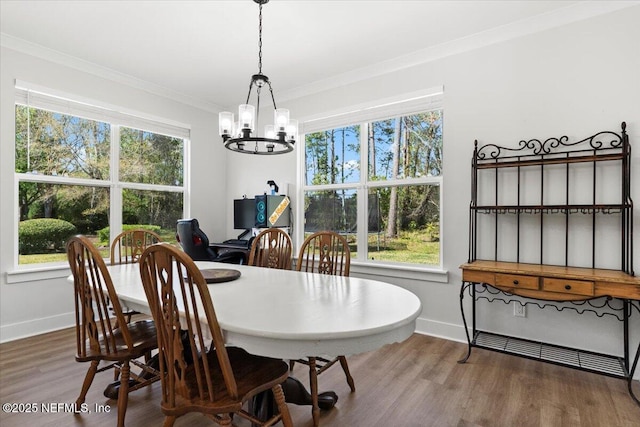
[278, 138]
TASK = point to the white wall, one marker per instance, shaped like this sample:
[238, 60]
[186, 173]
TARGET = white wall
[36, 306]
[574, 80]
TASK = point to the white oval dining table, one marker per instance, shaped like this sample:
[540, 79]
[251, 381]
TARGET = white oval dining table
[291, 315]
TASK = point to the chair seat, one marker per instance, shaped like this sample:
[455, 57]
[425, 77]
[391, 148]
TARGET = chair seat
[253, 374]
[143, 335]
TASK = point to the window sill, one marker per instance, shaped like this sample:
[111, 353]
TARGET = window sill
[423, 274]
[31, 274]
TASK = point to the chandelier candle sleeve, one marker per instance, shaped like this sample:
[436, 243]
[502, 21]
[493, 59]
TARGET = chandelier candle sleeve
[226, 123]
[246, 114]
[269, 131]
[292, 130]
[281, 119]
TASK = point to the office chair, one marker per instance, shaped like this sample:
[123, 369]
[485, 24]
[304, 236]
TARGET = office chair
[196, 244]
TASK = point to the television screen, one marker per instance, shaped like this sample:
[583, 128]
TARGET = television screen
[244, 214]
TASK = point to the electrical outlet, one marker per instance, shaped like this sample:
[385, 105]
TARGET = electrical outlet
[519, 310]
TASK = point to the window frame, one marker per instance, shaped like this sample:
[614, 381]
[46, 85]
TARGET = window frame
[362, 115]
[34, 96]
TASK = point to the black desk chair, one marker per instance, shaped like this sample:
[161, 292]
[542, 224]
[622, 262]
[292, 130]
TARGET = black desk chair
[196, 244]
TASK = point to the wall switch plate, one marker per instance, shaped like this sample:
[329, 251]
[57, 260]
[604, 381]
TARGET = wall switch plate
[519, 310]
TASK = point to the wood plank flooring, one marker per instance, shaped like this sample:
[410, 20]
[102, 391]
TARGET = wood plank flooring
[416, 383]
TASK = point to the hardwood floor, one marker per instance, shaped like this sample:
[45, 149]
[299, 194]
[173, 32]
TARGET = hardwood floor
[410, 384]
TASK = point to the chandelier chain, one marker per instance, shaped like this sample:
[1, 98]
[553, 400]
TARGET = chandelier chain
[260, 41]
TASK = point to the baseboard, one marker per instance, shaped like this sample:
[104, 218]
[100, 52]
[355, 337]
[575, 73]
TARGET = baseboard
[447, 331]
[33, 327]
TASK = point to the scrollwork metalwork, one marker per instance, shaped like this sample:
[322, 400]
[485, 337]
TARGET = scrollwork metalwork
[491, 294]
[605, 140]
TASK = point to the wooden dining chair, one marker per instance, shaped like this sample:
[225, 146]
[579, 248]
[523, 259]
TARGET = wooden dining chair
[214, 380]
[127, 248]
[271, 248]
[324, 252]
[97, 337]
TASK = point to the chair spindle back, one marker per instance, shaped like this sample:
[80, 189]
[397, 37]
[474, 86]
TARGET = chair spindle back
[185, 319]
[128, 246]
[94, 293]
[271, 248]
[325, 252]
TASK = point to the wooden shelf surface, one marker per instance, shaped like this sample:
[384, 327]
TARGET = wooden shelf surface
[614, 283]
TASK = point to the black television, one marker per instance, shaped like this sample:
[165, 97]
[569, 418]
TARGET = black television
[244, 214]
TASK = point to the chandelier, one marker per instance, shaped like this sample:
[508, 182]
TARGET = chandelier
[237, 135]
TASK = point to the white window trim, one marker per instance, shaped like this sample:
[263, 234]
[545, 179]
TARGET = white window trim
[32, 95]
[404, 104]
[37, 96]
[399, 105]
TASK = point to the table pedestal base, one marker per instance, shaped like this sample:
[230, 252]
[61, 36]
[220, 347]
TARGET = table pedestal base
[296, 393]
[263, 405]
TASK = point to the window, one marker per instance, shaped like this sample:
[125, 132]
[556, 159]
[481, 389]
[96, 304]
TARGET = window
[90, 170]
[375, 176]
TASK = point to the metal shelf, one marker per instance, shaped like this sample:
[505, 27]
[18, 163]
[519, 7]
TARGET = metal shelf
[562, 209]
[541, 171]
[580, 359]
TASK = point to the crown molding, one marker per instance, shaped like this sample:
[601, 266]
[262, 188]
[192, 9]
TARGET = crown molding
[546, 21]
[577, 12]
[76, 63]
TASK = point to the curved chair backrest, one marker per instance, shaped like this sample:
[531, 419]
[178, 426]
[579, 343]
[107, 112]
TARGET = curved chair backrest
[325, 252]
[194, 241]
[271, 248]
[91, 281]
[128, 246]
[179, 300]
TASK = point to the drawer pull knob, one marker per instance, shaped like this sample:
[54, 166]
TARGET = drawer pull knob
[567, 287]
[515, 282]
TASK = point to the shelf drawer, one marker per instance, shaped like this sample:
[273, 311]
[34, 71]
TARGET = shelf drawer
[478, 276]
[518, 281]
[579, 287]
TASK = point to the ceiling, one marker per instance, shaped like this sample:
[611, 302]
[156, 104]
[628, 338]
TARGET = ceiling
[204, 52]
